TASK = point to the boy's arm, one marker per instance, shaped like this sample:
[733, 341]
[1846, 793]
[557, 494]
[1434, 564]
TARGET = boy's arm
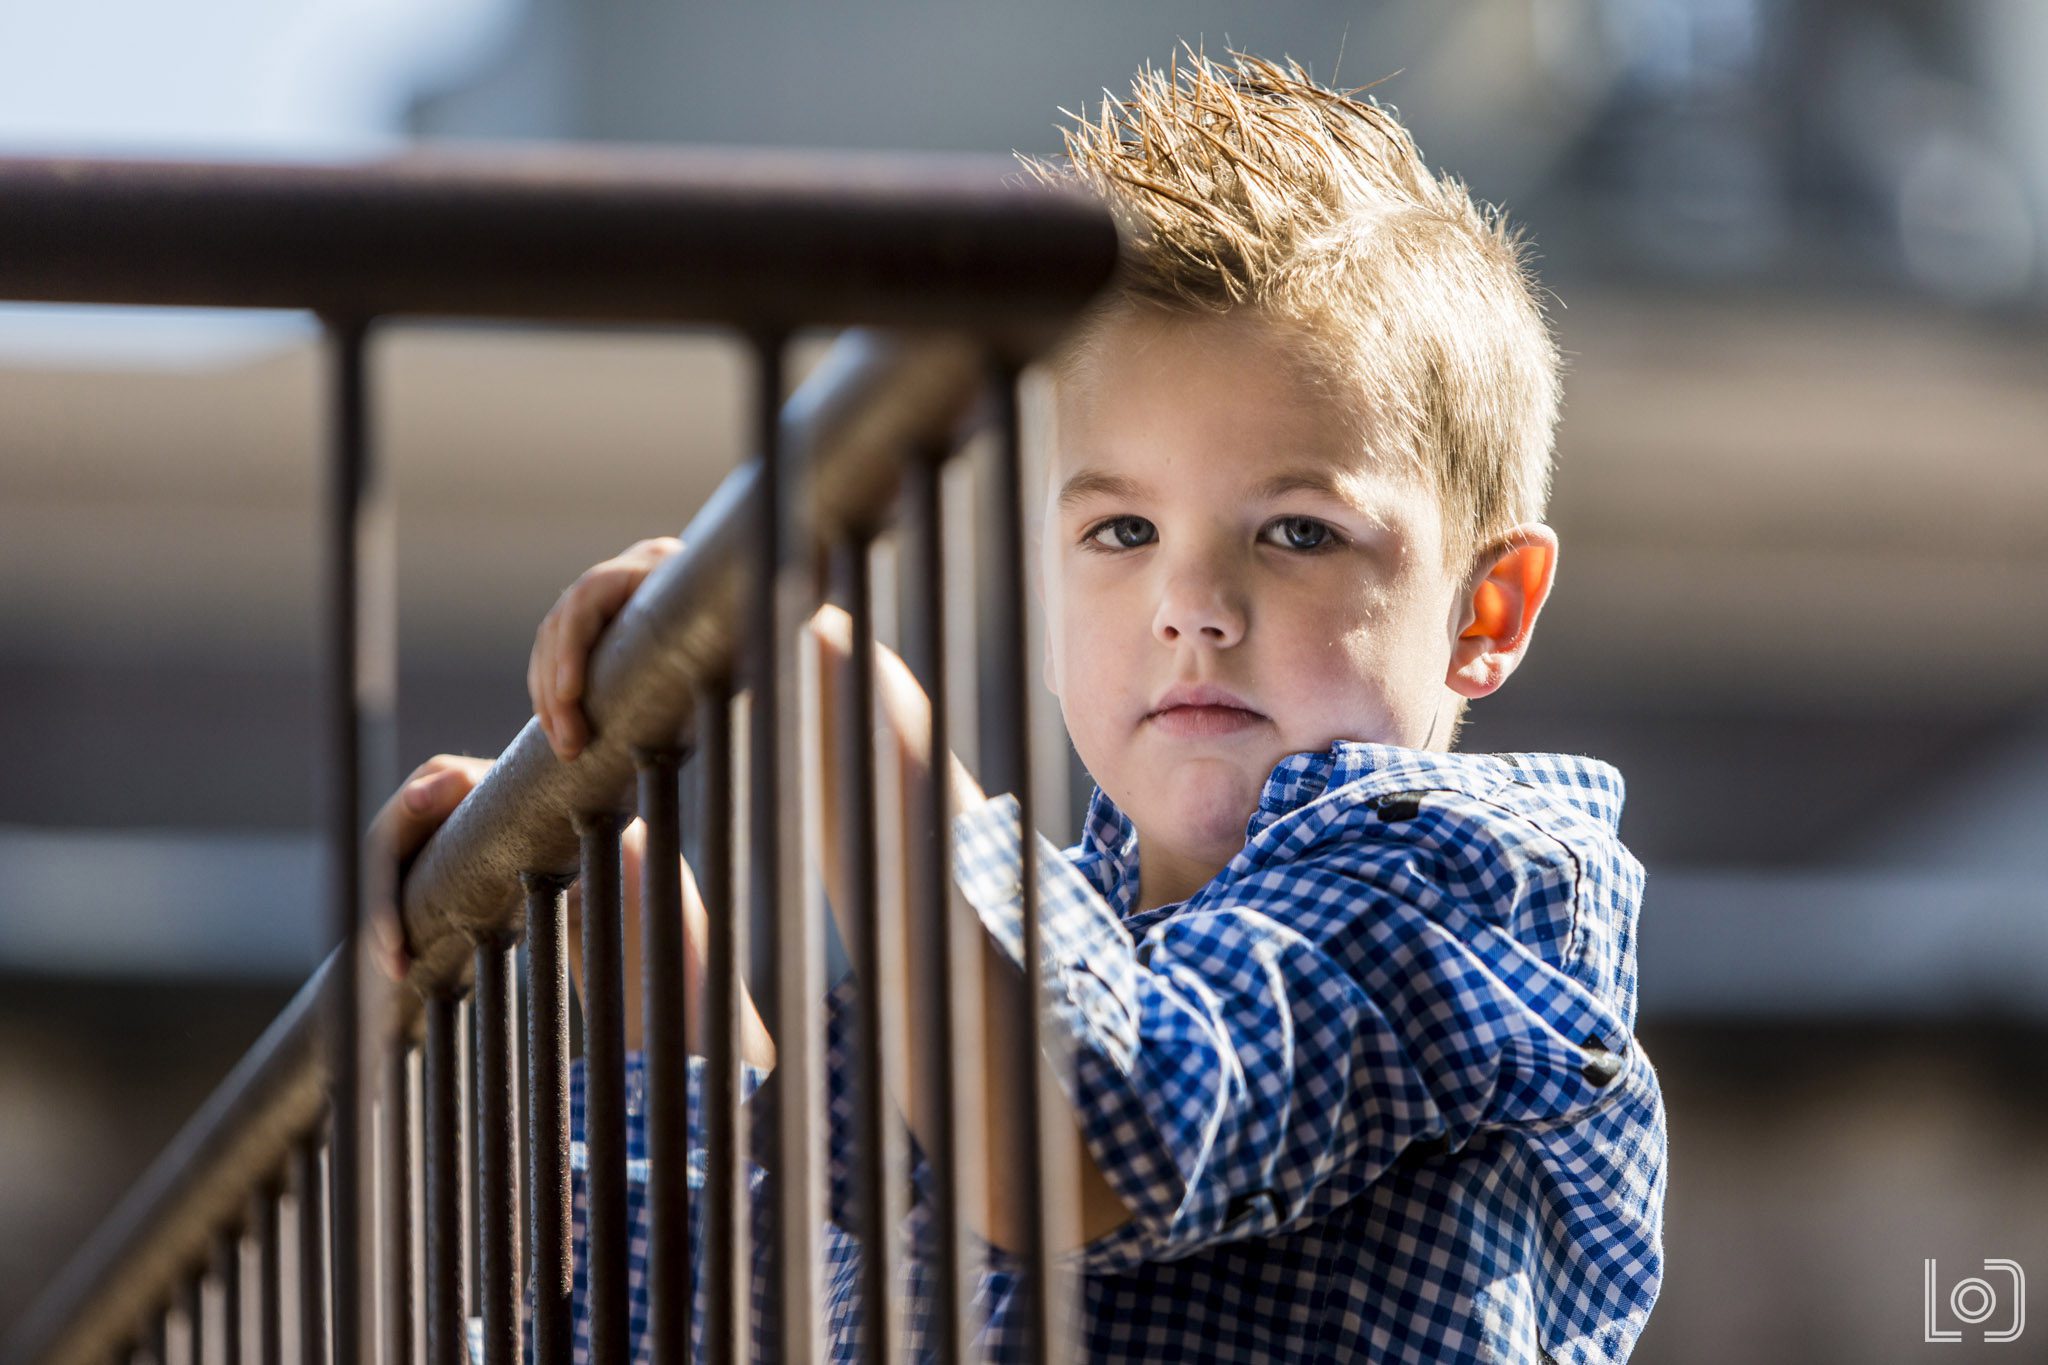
[907, 716]
[757, 1045]
[1260, 1060]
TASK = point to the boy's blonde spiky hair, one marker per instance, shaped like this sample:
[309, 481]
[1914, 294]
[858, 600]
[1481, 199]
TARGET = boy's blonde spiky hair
[1249, 186]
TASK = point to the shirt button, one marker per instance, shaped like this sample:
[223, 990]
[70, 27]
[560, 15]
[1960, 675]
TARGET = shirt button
[1397, 805]
[1601, 1065]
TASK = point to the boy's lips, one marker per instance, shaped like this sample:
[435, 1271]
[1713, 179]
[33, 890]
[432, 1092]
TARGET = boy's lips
[1201, 710]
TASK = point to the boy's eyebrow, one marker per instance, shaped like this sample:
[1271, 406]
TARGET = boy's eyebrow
[1092, 483]
[1302, 481]
[1097, 483]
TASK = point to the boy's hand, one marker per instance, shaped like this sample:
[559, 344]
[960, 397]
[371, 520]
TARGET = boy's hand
[555, 672]
[419, 807]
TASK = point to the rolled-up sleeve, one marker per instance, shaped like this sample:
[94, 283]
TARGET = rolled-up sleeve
[1266, 1052]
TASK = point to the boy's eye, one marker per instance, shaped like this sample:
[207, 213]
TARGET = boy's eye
[1302, 533]
[1126, 533]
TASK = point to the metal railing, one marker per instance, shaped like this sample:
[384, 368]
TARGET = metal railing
[970, 274]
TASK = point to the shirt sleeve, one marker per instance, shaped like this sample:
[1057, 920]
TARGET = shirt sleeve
[1259, 1057]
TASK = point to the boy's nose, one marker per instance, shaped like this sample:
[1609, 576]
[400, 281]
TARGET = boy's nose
[1203, 612]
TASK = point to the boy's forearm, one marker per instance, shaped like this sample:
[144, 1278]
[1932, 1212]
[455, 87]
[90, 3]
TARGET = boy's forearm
[757, 1045]
[1002, 1218]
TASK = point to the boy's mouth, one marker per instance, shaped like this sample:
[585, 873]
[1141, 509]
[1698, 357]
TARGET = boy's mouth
[1202, 710]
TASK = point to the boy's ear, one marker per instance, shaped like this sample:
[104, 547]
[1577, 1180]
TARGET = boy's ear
[1497, 611]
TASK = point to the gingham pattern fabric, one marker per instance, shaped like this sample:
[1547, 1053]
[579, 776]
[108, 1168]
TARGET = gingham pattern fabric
[1372, 1093]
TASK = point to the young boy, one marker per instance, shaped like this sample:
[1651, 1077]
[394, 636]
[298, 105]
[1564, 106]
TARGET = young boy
[1350, 1014]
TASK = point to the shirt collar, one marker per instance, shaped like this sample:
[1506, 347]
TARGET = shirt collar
[1108, 852]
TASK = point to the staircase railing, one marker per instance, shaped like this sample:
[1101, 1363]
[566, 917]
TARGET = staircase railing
[959, 276]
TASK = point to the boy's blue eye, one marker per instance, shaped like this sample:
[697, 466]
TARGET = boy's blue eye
[1119, 525]
[1303, 533]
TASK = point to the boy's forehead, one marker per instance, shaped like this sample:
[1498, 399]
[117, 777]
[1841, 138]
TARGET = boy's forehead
[1080, 479]
[1226, 402]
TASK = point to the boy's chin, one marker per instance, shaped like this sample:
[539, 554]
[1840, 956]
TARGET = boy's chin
[1207, 804]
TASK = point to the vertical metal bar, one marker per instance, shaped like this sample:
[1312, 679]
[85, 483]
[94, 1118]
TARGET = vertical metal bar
[227, 1268]
[348, 477]
[498, 1242]
[441, 1082]
[928, 882]
[547, 1006]
[855, 762]
[1008, 762]
[160, 1334]
[193, 1300]
[466, 1033]
[521, 1197]
[724, 1255]
[669, 1291]
[796, 1007]
[761, 673]
[269, 1276]
[309, 1188]
[604, 1081]
[397, 1211]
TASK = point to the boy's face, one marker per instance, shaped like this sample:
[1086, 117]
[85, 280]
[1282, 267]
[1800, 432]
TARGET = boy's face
[1174, 558]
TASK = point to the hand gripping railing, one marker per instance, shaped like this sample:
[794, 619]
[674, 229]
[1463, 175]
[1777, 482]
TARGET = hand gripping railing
[977, 273]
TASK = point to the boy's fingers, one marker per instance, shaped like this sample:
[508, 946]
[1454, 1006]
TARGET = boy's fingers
[590, 607]
[557, 670]
[420, 806]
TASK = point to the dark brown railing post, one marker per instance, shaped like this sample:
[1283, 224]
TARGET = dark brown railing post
[665, 1007]
[1006, 760]
[874, 1107]
[763, 650]
[724, 1252]
[227, 1269]
[547, 1004]
[193, 1299]
[794, 969]
[928, 879]
[441, 1080]
[348, 476]
[395, 1214]
[604, 1082]
[498, 1243]
[269, 1277]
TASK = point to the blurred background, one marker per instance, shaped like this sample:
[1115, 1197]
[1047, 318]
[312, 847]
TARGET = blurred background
[1797, 248]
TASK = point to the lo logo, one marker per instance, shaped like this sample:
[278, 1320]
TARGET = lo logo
[1973, 1301]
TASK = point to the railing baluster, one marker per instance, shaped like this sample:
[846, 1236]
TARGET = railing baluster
[1007, 758]
[308, 1189]
[466, 1036]
[725, 1253]
[498, 1243]
[792, 961]
[361, 680]
[856, 802]
[928, 883]
[664, 1007]
[160, 1335]
[604, 1083]
[227, 1268]
[547, 1004]
[441, 1084]
[761, 649]
[193, 1299]
[269, 1308]
[396, 1214]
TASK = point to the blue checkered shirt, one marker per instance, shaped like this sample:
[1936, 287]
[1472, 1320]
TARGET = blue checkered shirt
[1371, 1094]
